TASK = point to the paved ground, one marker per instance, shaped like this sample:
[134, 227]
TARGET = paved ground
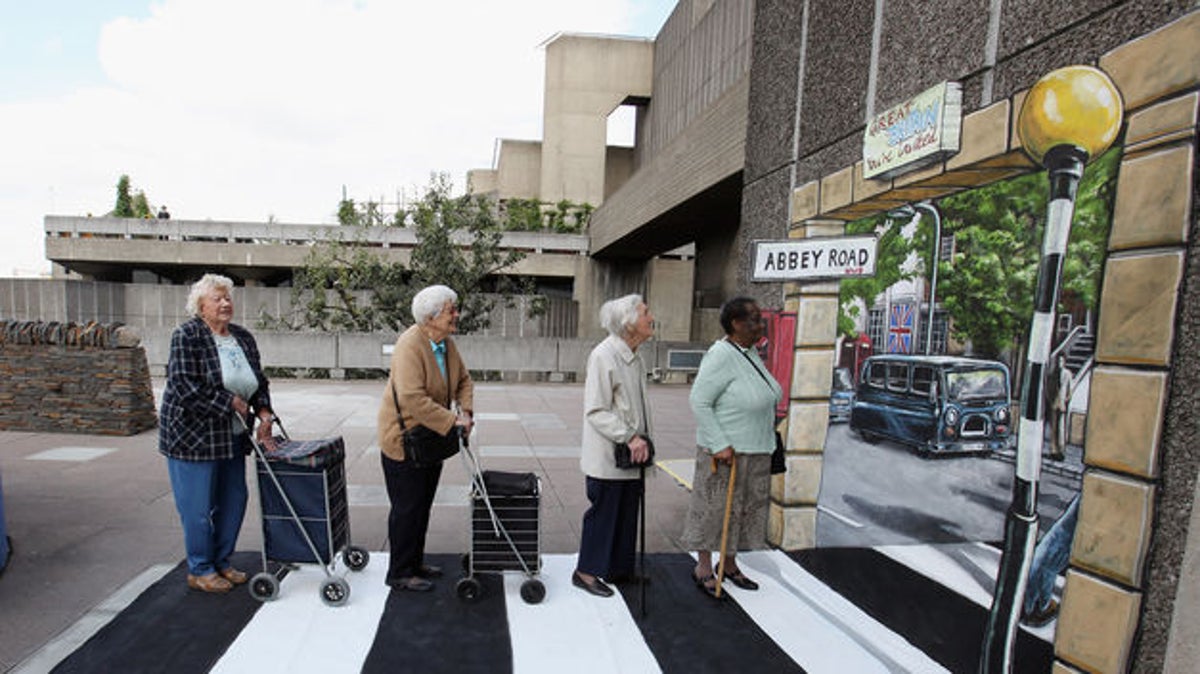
[90, 514]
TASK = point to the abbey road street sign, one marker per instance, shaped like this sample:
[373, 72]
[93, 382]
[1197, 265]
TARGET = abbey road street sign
[815, 258]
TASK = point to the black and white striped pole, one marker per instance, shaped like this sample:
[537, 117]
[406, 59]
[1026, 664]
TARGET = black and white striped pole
[1070, 116]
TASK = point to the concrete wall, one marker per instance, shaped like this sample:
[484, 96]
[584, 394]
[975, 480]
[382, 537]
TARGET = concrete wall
[587, 77]
[519, 169]
[110, 248]
[693, 133]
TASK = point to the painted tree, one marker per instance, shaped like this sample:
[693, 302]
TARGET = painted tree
[988, 286]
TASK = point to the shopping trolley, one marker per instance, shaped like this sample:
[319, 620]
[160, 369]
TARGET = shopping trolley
[305, 514]
[505, 529]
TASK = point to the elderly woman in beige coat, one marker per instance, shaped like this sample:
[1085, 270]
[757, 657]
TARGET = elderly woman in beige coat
[429, 381]
[614, 410]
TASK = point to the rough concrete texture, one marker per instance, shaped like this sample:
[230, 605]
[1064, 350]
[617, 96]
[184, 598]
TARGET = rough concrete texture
[836, 72]
[771, 123]
[1180, 463]
[924, 43]
[1084, 42]
[764, 216]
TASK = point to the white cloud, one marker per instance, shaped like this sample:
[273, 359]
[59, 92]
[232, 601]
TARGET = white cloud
[244, 109]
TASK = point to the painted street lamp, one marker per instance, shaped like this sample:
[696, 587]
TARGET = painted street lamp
[1069, 117]
[912, 211]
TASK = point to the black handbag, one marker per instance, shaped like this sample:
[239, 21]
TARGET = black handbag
[779, 456]
[424, 446]
[624, 456]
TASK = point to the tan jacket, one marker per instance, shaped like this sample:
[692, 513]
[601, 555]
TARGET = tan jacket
[424, 394]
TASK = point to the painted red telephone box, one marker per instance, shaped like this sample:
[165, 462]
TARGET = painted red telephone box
[776, 350]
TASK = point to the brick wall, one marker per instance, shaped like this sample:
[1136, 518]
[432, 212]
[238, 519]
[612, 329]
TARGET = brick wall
[75, 389]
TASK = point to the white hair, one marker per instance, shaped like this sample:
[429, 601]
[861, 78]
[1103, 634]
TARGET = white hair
[428, 303]
[618, 315]
[204, 286]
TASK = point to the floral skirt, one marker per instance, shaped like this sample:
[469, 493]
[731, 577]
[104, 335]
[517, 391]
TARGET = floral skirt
[748, 514]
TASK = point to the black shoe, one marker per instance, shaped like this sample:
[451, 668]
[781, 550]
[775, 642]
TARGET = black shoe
[738, 578]
[1039, 618]
[594, 586]
[410, 583]
[428, 571]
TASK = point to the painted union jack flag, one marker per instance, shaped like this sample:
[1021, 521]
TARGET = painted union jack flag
[900, 329]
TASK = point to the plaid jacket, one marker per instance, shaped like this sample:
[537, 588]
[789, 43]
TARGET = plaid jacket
[195, 420]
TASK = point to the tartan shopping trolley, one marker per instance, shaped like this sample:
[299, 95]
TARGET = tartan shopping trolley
[305, 514]
[505, 529]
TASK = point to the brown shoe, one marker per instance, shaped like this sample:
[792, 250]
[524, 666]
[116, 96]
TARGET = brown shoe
[210, 583]
[234, 576]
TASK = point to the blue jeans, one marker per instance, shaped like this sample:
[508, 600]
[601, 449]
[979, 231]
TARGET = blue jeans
[1050, 559]
[210, 497]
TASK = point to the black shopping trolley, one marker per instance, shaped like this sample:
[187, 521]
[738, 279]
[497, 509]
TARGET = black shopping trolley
[505, 529]
[305, 514]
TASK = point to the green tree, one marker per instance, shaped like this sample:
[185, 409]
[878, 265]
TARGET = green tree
[345, 285]
[141, 206]
[124, 205]
[891, 252]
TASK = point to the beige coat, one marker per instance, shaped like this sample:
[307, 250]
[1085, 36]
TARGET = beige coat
[424, 394]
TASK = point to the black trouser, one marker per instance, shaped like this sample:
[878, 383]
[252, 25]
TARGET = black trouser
[410, 490]
[608, 543]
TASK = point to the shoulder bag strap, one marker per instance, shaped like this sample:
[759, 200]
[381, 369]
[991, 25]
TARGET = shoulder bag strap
[749, 360]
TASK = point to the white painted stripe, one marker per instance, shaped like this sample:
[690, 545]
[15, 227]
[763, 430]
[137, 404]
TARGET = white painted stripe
[1039, 337]
[961, 567]
[298, 633]
[821, 630]
[1058, 225]
[840, 517]
[572, 631]
[1029, 449]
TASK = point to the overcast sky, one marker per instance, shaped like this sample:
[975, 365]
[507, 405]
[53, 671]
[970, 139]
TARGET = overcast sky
[251, 109]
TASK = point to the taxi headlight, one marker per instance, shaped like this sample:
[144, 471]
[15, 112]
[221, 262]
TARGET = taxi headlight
[1002, 415]
[951, 417]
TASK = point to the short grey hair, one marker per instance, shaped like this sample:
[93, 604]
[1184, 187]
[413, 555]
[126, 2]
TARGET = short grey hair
[428, 303]
[204, 286]
[618, 315]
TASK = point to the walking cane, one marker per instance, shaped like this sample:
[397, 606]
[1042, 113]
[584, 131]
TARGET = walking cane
[725, 525]
[642, 551]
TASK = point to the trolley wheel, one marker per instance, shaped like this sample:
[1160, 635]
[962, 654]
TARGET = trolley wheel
[533, 591]
[264, 586]
[356, 558]
[335, 591]
[468, 589]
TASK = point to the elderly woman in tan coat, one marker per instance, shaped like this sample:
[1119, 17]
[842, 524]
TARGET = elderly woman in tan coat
[429, 381]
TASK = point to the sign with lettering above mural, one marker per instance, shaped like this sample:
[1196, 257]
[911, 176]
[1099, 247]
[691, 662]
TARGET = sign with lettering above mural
[815, 258]
[915, 133]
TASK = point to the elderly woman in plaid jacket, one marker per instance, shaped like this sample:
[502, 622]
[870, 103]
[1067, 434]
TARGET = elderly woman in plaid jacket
[215, 387]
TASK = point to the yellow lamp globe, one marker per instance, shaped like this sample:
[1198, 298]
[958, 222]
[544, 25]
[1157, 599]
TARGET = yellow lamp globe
[1076, 105]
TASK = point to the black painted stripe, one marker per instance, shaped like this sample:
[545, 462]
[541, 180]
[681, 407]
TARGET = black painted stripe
[945, 625]
[437, 632]
[690, 632]
[169, 628]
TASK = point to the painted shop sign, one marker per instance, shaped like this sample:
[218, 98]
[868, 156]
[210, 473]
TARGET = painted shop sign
[918, 132]
[816, 258]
